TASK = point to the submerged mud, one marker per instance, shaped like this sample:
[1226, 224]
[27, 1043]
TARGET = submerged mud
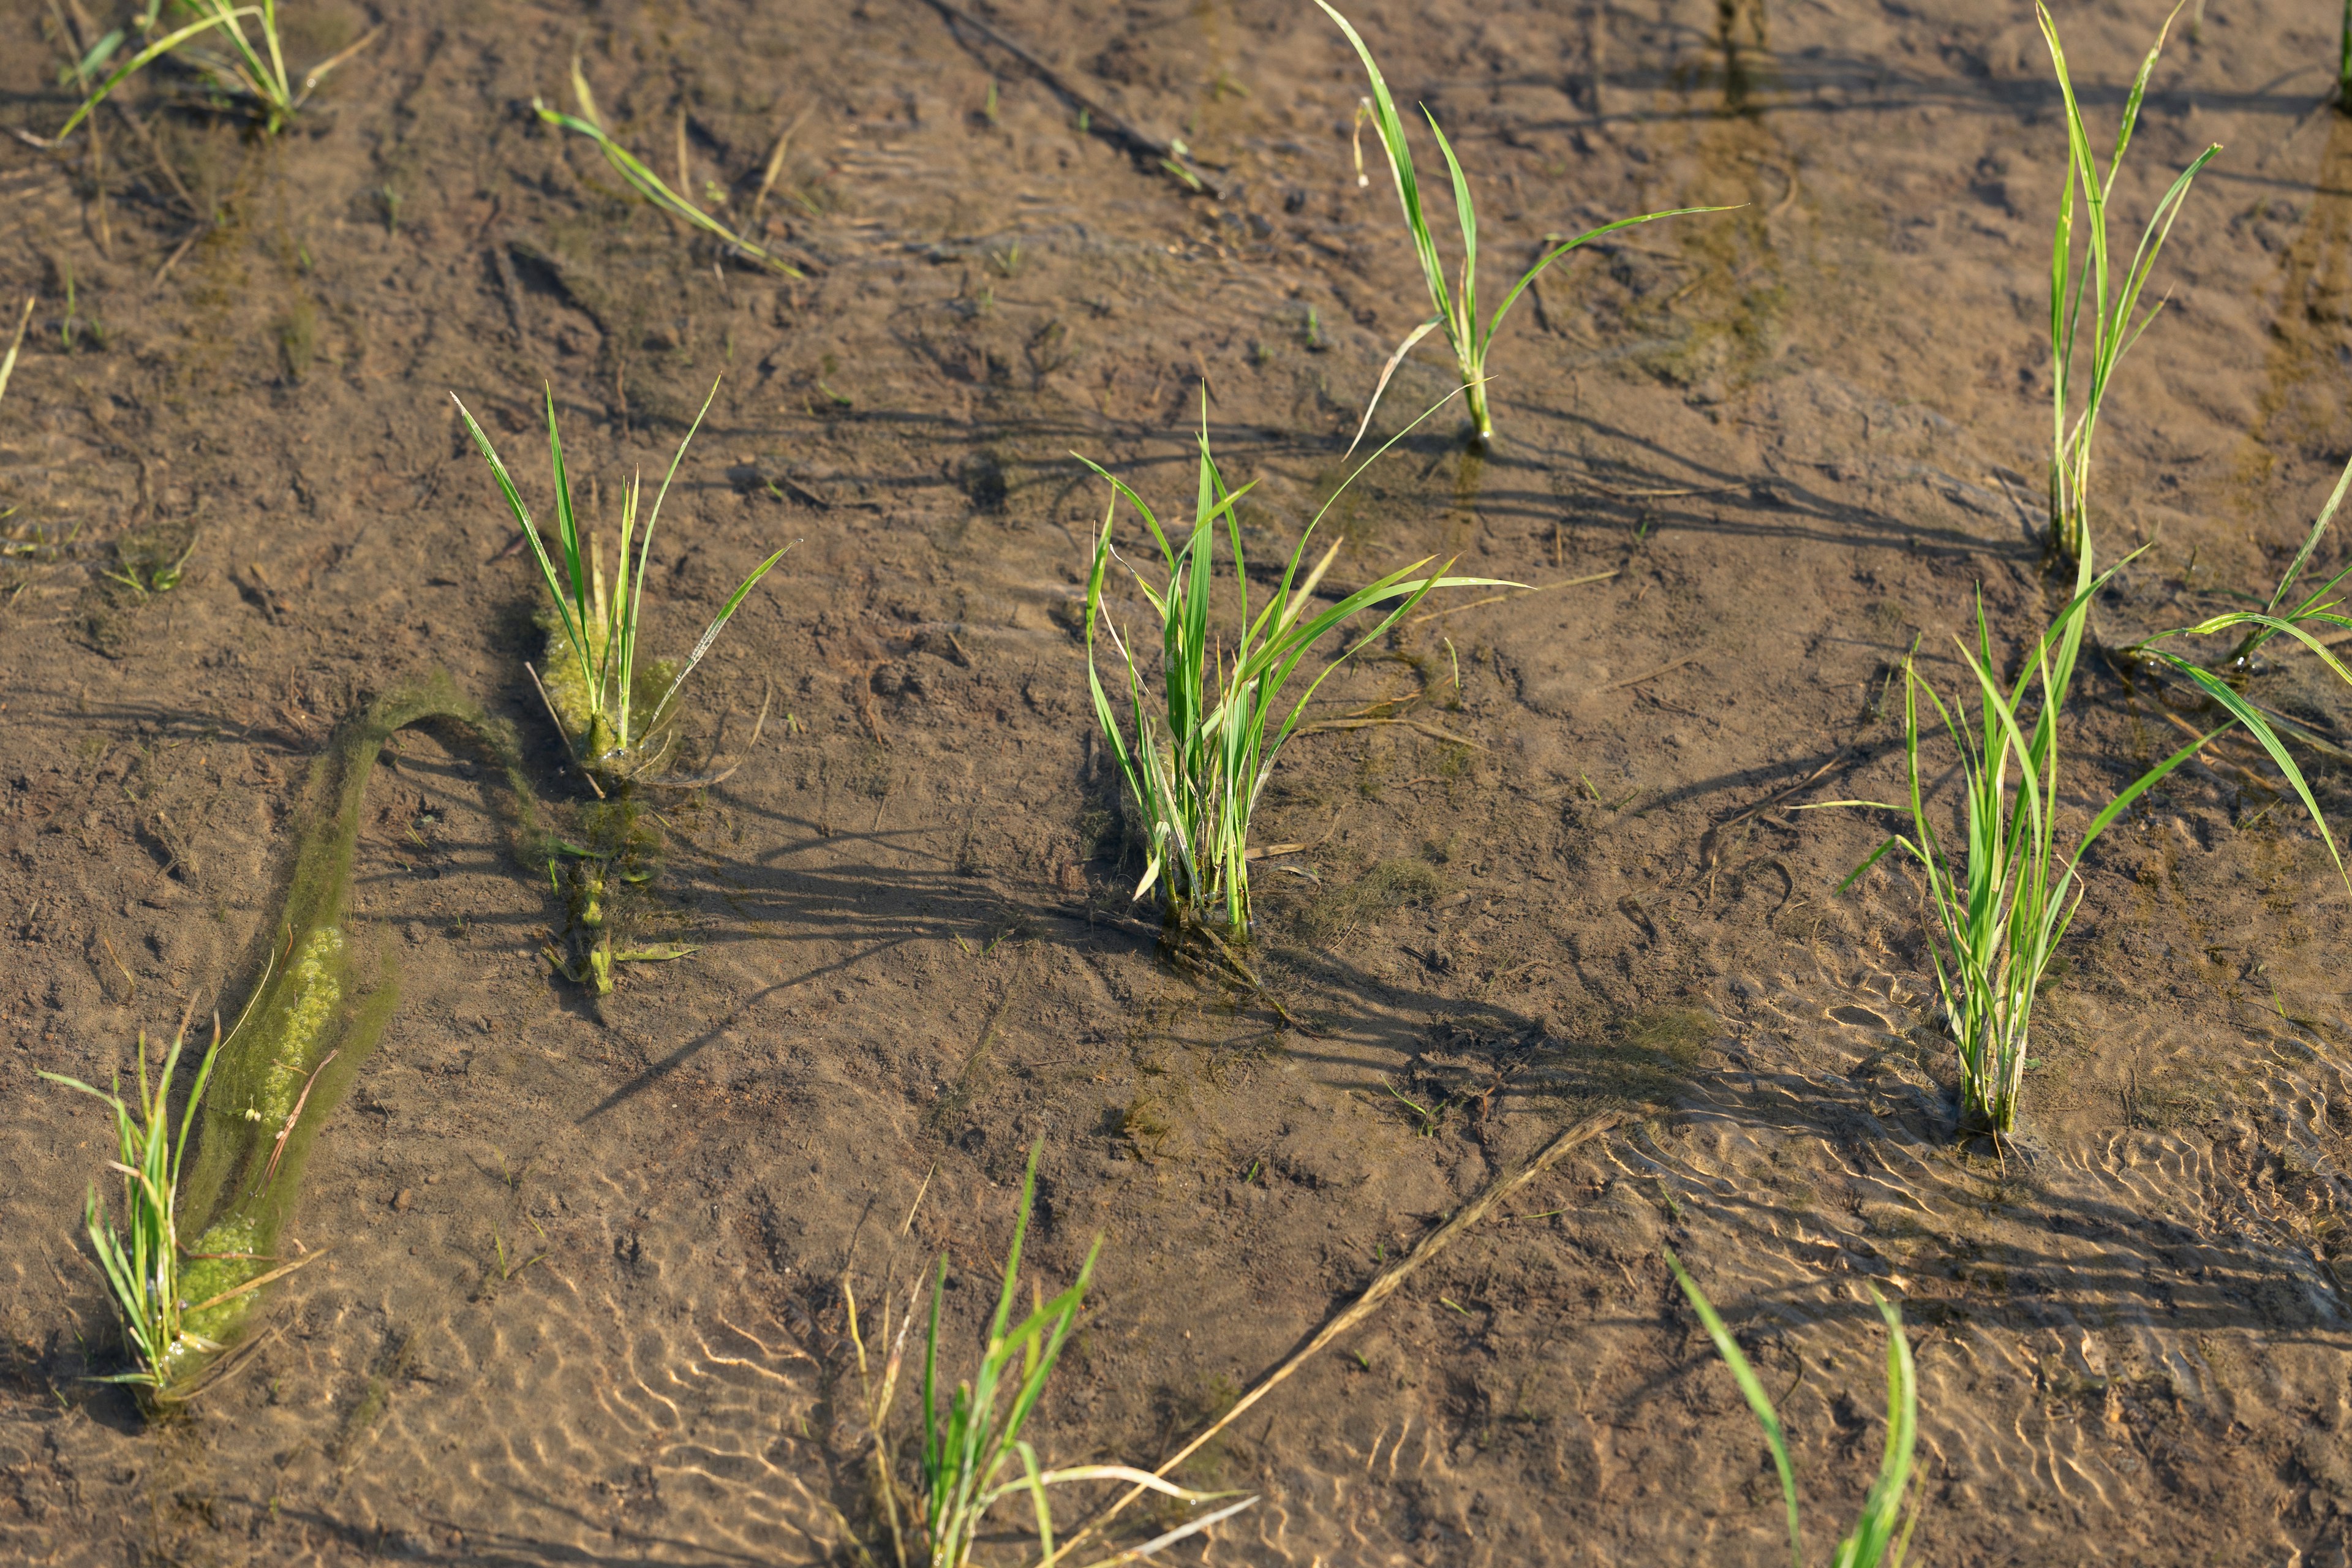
[585, 1291]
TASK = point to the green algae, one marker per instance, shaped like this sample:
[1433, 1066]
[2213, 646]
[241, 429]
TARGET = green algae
[320, 999]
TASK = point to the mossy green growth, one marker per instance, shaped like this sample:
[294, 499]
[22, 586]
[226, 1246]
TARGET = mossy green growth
[588, 726]
[319, 1004]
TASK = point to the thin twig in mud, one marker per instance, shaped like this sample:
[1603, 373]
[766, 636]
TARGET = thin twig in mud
[258, 1280]
[2214, 759]
[549, 704]
[917, 1203]
[1383, 1285]
[1276, 851]
[1659, 495]
[223, 1370]
[1432, 731]
[178, 251]
[1710, 845]
[767, 696]
[776, 161]
[277, 1149]
[1653, 675]
[1170, 155]
[1498, 598]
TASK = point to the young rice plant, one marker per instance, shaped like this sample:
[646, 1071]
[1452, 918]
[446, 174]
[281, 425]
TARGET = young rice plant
[973, 1455]
[1874, 1534]
[1196, 768]
[252, 67]
[2002, 898]
[141, 1259]
[2278, 618]
[647, 184]
[2114, 300]
[1456, 307]
[615, 714]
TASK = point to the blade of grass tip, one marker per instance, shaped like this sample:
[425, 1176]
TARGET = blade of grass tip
[2295, 568]
[710, 633]
[2138, 95]
[1465, 300]
[635, 607]
[1408, 185]
[1752, 1388]
[567, 532]
[1378, 452]
[584, 97]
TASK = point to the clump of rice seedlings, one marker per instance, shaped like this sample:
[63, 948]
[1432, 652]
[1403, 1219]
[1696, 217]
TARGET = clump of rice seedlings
[614, 713]
[2114, 300]
[252, 68]
[1456, 306]
[1197, 767]
[1867, 1545]
[973, 1455]
[2003, 897]
[141, 1259]
[647, 184]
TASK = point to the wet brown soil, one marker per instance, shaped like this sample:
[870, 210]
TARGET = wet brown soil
[584, 1302]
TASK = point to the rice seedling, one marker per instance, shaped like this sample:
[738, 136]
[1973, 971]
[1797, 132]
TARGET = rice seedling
[1197, 768]
[252, 70]
[973, 1455]
[614, 714]
[1867, 1545]
[141, 1259]
[2001, 905]
[2277, 617]
[647, 184]
[2281, 616]
[1455, 306]
[2114, 300]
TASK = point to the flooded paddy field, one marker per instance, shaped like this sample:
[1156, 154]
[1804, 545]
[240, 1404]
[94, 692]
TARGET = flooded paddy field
[584, 1296]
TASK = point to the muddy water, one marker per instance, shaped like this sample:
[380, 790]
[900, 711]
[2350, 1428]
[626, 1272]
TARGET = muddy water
[584, 1298]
